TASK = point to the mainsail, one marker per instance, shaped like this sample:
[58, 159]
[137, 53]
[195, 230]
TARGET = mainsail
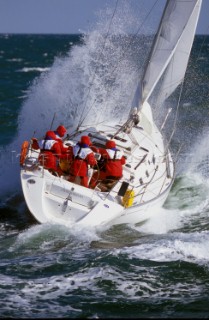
[171, 48]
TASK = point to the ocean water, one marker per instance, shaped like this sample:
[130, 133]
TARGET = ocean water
[156, 270]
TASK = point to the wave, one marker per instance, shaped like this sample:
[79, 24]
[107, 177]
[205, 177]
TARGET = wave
[32, 69]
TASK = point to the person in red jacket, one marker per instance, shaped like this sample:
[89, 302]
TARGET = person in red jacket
[82, 157]
[112, 161]
[65, 161]
[51, 153]
[59, 133]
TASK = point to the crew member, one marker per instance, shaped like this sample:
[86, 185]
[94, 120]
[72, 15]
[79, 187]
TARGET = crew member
[51, 153]
[59, 133]
[82, 157]
[112, 161]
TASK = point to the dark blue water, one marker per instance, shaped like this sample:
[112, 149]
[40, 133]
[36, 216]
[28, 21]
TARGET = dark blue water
[158, 270]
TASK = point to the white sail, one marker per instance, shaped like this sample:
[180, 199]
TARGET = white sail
[172, 44]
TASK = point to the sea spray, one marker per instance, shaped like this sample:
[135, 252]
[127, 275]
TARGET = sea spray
[89, 84]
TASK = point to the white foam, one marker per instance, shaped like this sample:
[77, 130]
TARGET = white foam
[44, 237]
[15, 60]
[162, 222]
[32, 69]
[190, 247]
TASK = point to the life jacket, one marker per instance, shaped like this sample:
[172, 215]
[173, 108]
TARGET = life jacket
[46, 145]
[81, 153]
[82, 156]
[114, 154]
[48, 155]
[113, 163]
[57, 136]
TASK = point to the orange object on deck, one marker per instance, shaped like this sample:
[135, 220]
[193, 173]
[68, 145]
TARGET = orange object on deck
[24, 151]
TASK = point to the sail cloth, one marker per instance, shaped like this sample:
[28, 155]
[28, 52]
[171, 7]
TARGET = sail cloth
[172, 45]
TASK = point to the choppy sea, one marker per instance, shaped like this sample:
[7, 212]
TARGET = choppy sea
[156, 270]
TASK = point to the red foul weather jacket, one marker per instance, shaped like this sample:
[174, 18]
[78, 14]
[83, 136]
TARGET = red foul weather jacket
[50, 154]
[113, 162]
[82, 156]
[59, 140]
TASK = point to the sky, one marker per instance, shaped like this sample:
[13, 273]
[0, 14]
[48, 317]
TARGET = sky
[64, 16]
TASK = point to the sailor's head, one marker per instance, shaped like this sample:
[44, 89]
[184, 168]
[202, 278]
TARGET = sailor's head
[61, 130]
[50, 135]
[110, 144]
[86, 140]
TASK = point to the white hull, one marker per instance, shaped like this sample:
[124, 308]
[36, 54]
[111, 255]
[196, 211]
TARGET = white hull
[54, 200]
[149, 173]
[149, 170]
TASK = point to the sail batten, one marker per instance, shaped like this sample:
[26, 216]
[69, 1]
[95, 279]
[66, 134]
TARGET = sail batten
[171, 47]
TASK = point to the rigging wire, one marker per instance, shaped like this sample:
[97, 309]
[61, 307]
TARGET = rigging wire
[160, 101]
[181, 90]
[203, 42]
[105, 39]
[128, 45]
[176, 116]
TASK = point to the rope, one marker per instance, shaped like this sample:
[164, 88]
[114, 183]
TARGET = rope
[128, 45]
[179, 98]
[105, 39]
[175, 119]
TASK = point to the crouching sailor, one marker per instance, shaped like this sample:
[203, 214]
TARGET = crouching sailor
[51, 153]
[112, 161]
[82, 157]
